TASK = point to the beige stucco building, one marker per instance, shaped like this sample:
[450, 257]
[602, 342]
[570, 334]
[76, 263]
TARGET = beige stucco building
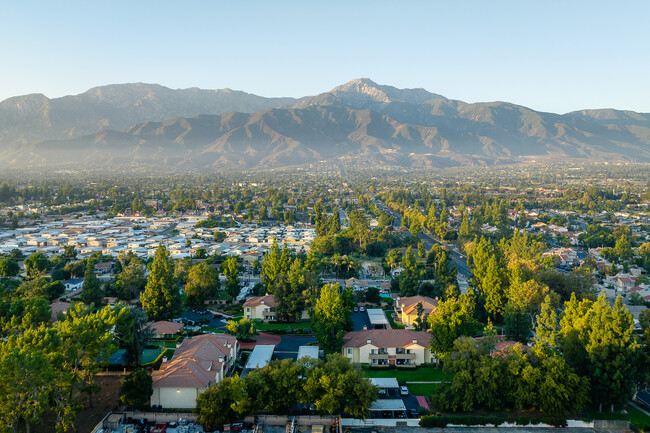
[197, 363]
[388, 347]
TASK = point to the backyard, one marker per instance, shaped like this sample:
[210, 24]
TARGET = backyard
[408, 376]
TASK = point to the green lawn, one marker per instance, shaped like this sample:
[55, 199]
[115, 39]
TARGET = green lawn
[633, 415]
[211, 329]
[422, 374]
[283, 326]
[393, 324]
[425, 389]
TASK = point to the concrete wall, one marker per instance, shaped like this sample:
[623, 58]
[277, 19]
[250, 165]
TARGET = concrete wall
[176, 398]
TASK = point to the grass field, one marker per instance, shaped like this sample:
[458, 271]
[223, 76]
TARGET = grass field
[283, 326]
[424, 389]
[422, 374]
[633, 415]
[393, 324]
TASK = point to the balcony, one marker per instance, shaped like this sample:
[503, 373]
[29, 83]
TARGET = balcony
[405, 356]
[378, 356]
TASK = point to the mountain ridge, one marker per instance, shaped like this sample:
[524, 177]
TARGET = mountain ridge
[357, 121]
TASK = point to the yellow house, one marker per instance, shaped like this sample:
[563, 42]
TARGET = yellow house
[260, 307]
[197, 363]
[263, 307]
[388, 347]
[407, 308]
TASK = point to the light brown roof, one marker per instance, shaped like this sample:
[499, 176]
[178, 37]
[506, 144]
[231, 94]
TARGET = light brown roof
[58, 307]
[259, 300]
[409, 304]
[386, 338]
[196, 362]
[165, 327]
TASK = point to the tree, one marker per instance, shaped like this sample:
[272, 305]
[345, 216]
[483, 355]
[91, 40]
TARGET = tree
[91, 291]
[243, 329]
[217, 405]
[464, 231]
[372, 295]
[161, 298]
[133, 333]
[25, 387]
[202, 283]
[136, 389]
[453, 318]
[597, 341]
[336, 386]
[329, 319]
[491, 289]
[36, 264]
[271, 265]
[275, 388]
[517, 324]
[8, 267]
[130, 281]
[230, 269]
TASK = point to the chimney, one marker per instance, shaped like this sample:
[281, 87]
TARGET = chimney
[221, 359]
[262, 302]
[229, 344]
[365, 327]
[415, 341]
[369, 341]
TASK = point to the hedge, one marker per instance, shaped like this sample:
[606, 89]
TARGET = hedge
[442, 421]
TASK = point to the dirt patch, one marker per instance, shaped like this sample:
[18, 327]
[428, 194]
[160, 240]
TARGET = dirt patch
[103, 402]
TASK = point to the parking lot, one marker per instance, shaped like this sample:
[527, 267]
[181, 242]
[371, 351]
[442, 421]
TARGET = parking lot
[196, 315]
[360, 319]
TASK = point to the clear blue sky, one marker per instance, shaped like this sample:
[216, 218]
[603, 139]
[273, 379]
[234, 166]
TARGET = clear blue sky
[549, 55]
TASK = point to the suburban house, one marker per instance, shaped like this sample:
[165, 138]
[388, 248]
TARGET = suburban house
[197, 363]
[166, 329]
[260, 307]
[388, 347]
[406, 308]
[263, 308]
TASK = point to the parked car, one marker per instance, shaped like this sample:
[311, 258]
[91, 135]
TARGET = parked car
[362, 309]
[403, 390]
[356, 309]
[217, 316]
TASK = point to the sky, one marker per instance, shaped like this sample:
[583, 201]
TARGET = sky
[555, 56]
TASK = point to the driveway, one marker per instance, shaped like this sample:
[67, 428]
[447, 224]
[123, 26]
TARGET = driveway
[359, 320]
[214, 323]
[289, 345]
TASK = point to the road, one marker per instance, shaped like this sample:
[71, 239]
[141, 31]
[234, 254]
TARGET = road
[459, 259]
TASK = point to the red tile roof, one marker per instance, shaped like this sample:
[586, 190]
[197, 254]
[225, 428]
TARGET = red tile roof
[386, 338]
[196, 363]
[259, 300]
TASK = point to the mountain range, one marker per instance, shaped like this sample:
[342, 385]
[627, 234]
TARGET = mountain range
[359, 122]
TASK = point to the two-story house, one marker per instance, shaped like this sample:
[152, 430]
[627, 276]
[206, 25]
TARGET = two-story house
[388, 347]
[260, 307]
[407, 308]
[263, 307]
[197, 363]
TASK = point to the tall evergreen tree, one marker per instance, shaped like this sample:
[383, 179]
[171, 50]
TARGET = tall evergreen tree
[91, 291]
[161, 298]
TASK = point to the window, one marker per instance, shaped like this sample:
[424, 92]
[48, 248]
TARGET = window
[349, 351]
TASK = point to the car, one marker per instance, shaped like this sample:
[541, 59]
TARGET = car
[362, 309]
[216, 316]
[403, 390]
[356, 309]
[382, 391]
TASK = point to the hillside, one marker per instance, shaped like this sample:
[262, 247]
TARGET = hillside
[358, 121]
